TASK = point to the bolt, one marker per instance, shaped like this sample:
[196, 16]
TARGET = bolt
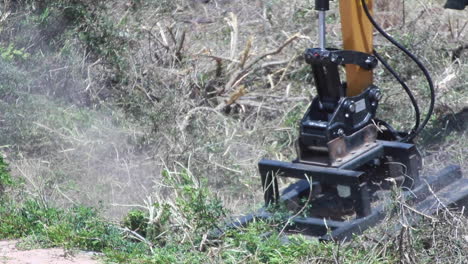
[350, 106]
[339, 160]
[376, 94]
[336, 58]
[341, 132]
[371, 62]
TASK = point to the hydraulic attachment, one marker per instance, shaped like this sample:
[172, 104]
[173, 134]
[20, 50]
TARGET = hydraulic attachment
[346, 157]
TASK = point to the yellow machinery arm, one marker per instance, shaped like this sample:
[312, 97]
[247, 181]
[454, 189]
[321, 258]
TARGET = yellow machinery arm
[357, 35]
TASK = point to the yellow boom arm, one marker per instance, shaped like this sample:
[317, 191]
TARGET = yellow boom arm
[357, 35]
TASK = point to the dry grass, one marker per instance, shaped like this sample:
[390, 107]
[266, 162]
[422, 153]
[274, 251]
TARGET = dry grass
[215, 87]
[438, 239]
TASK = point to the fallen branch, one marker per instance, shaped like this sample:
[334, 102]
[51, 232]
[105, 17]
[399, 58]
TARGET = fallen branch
[275, 52]
[233, 98]
[192, 112]
[274, 63]
[233, 81]
[251, 103]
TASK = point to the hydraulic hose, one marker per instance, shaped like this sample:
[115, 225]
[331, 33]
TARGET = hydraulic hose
[419, 128]
[417, 112]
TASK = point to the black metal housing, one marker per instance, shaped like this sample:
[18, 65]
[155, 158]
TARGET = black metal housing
[351, 115]
[352, 174]
[331, 114]
[322, 5]
[447, 186]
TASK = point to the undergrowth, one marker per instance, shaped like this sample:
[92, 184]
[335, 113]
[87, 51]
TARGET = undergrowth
[186, 231]
[142, 239]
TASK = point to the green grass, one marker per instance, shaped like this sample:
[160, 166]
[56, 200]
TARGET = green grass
[40, 225]
[82, 228]
[139, 239]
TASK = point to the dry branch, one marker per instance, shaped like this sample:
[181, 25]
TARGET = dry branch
[243, 71]
[241, 91]
[180, 45]
[233, 23]
[245, 54]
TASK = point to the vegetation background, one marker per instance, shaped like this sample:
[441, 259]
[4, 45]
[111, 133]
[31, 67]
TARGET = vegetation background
[156, 113]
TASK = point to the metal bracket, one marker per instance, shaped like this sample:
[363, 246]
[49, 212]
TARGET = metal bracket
[345, 148]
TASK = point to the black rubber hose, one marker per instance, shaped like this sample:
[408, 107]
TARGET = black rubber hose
[417, 113]
[410, 136]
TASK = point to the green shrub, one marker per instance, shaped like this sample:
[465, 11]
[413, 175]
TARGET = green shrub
[5, 177]
[137, 221]
[11, 53]
[77, 227]
[195, 201]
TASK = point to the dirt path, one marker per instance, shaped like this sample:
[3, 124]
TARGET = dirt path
[9, 254]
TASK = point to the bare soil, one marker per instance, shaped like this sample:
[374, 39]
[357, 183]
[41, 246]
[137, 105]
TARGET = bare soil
[10, 254]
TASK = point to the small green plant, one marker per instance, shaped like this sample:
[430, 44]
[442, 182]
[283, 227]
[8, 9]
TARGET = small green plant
[77, 227]
[196, 202]
[5, 177]
[11, 53]
[260, 243]
[137, 221]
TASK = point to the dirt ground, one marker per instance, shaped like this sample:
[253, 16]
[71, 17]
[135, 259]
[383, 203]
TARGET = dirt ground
[9, 254]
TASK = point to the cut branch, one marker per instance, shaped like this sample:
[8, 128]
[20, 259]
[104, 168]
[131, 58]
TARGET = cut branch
[234, 80]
